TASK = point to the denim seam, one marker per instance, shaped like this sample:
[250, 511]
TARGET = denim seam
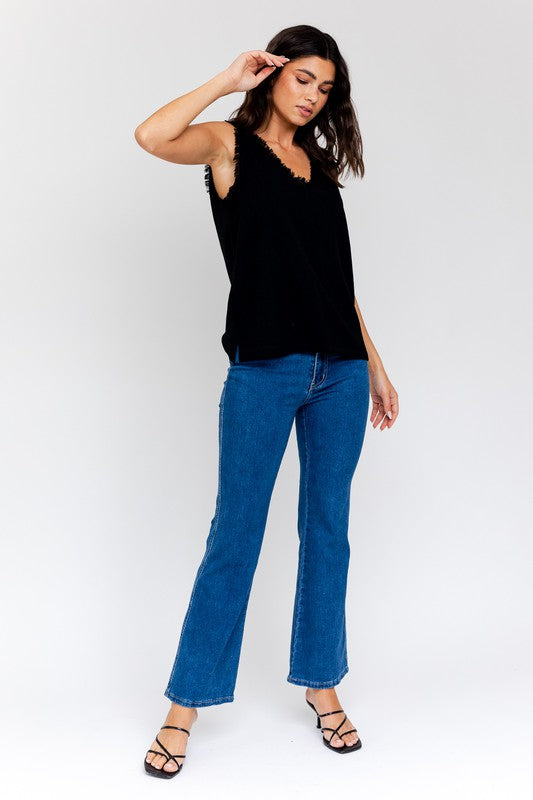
[325, 375]
[318, 684]
[311, 386]
[304, 533]
[215, 529]
[177, 699]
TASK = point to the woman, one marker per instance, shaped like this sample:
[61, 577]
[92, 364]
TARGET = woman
[298, 350]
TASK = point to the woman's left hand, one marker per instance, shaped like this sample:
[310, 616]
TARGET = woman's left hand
[384, 398]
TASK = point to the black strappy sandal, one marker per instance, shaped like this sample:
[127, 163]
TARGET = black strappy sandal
[161, 772]
[346, 748]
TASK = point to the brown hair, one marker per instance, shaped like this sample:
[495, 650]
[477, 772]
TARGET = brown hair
[337, 121]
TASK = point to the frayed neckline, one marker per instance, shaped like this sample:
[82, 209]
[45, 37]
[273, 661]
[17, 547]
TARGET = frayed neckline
[299, 178]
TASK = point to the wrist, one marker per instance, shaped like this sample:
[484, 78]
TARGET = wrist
[374, 363]
[223, 83]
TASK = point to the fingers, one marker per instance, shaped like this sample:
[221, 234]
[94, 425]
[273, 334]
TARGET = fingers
[265, 63]
[270, 59]
[392, 410]
[384, 412]
[377, 414]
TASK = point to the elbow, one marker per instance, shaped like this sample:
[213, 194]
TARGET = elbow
[138, 135]
[142, 139]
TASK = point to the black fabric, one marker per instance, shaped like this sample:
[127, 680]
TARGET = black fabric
[286, 247]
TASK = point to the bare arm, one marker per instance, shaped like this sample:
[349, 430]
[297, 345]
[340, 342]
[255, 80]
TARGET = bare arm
[385, 407]
[374, 361]
[168, 133]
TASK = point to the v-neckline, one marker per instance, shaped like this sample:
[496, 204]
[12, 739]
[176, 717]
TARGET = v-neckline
[299, 178]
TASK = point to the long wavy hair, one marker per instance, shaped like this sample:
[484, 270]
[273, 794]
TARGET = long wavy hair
[336, 122]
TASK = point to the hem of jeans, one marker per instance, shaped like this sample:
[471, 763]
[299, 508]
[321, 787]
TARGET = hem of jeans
[317, 684]
[185, 701]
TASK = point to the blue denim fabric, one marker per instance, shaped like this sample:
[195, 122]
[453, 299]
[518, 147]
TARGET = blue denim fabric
[328, 396]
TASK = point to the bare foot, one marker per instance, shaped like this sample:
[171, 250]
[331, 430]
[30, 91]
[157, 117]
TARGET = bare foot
[174, 741]
[326, 700]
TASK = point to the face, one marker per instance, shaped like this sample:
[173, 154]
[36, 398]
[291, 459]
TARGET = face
[303, 82]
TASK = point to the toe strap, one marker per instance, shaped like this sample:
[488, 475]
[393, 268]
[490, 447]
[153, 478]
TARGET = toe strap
[336, 730]
[168, 753]
[176, 755]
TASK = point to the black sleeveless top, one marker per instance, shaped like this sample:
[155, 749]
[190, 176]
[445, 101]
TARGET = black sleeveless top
[286, 246]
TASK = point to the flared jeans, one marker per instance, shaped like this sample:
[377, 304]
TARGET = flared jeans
[328, 396]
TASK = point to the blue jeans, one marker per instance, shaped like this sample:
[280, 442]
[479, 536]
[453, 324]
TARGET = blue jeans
[329, 398]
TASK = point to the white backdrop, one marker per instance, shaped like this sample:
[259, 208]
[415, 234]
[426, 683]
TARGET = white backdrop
[113, 299]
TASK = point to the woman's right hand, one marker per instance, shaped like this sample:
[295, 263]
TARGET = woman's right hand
[252, 67]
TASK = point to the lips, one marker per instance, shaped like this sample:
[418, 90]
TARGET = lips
[305, 109]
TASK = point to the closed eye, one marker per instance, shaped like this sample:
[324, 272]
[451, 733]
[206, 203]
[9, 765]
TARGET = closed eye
[306, 82]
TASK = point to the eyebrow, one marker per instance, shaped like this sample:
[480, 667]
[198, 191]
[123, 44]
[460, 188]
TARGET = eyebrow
[311, 74]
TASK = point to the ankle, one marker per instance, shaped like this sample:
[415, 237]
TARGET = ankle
[185, 712]
[329, 692]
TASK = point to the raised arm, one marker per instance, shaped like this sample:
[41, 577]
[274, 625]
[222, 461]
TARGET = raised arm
[168, 133]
